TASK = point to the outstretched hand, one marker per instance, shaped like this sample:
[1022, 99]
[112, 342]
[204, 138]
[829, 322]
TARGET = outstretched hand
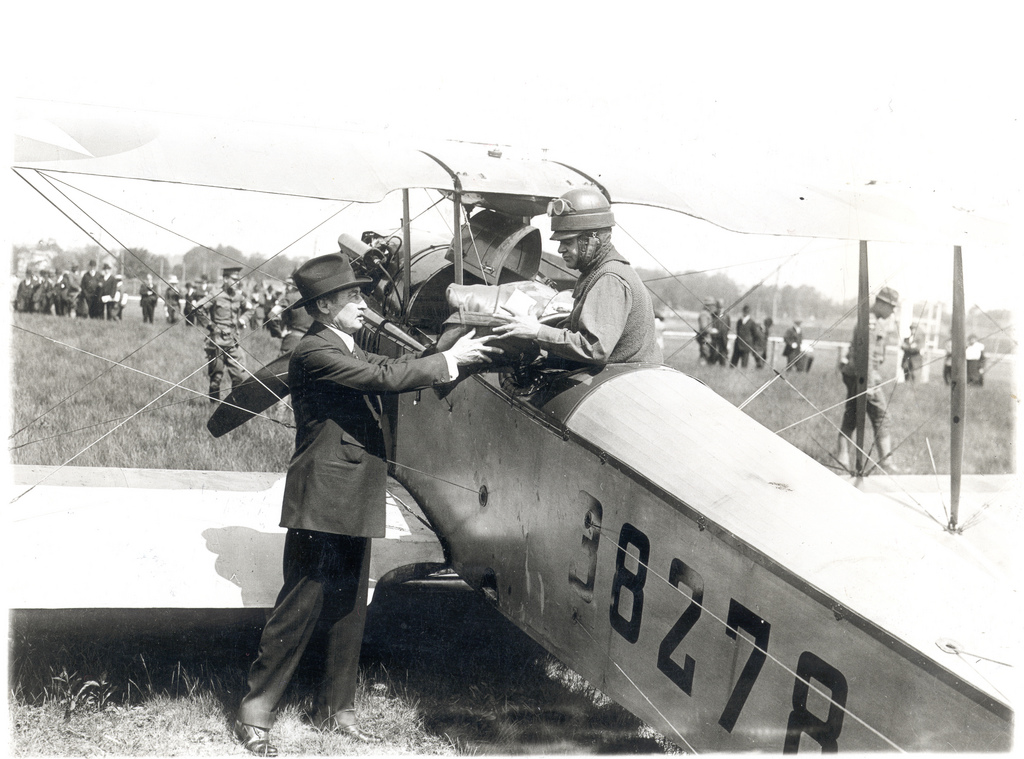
[469, 349]
[519, 326]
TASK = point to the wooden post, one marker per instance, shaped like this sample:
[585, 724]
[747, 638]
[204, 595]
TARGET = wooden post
[406, 249]
[457, 200]
[861, 354]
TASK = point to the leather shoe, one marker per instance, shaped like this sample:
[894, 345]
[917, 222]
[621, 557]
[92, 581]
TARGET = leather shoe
[355, 733]
[255, 740]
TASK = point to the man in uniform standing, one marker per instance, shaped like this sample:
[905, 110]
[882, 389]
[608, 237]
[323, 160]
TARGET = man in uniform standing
[334, 498]
[720, 334]
[294, 322]
[877, 334]
[73, 293]
[62, 293]
[172, 300]
[223, 319]
[705, 323]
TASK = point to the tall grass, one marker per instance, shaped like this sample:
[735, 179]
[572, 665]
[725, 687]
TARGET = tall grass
[100, 393]
[460, 680]
[73, 404]
[806, 409]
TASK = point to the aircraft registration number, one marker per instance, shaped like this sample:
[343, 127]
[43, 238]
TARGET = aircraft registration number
[627, 618]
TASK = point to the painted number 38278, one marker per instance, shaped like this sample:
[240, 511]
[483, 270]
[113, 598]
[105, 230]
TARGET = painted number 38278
[626, 619]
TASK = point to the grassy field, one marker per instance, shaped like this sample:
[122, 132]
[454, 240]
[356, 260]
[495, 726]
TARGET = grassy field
[919, 412]
[442, 673]
[70, 401]
[461, 680]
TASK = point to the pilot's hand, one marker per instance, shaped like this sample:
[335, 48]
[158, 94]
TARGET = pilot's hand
[519, 326]
[469, 349]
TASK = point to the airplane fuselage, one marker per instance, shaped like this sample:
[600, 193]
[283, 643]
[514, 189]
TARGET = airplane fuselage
[699, 624]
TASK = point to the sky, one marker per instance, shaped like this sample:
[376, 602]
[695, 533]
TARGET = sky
[875, 92]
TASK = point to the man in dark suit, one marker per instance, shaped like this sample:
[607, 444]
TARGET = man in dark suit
[334, 497]
[746, 339]
[108, 292]
[91, 293]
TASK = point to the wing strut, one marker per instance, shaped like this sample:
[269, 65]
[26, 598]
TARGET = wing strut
[406, 249]
[457, 240]
[862, 357]
[457, 201]
[958, 390]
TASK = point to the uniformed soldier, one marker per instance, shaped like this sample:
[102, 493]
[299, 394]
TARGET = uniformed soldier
[222, 317]
[293, 322]
[877, 335]
[172, 300]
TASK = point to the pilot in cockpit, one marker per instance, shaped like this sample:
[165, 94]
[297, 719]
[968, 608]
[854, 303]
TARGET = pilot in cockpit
[612, 318]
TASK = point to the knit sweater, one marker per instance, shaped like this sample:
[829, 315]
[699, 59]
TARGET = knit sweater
[616, 325]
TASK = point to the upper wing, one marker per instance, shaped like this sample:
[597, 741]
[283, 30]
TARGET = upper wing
[362, 167]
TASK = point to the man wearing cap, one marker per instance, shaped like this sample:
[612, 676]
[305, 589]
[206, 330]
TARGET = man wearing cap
[874, 346]
[294, 322]
[612, 318]
[67, 291]
[222, 317]
[333, 497]
[720, 334]
[705, 323]
[172, 300]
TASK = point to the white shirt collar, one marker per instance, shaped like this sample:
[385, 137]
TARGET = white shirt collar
[346, 338]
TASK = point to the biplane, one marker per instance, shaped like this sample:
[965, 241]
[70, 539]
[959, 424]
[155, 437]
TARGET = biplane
[689, 563]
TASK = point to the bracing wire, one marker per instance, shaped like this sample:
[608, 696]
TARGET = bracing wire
[935, 471]
[771, 657]
[133, 369]
[101, 437]
[85, 427]
[51, 181]
[777, 375]
[114, 363]
[636, 687]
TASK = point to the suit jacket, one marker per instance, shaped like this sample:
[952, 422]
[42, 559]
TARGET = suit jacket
[108, 286]
[337, 477]
[90, 283]
[746, 335]
[793, 338]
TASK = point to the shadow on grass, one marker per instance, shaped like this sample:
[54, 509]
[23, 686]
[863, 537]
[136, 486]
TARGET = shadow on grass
[484, 683]
[473, 677]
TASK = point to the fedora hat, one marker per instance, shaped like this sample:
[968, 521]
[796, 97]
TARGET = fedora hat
[325, 274]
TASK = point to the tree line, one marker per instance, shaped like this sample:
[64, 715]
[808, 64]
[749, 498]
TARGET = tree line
[680, 294]
[136, 263]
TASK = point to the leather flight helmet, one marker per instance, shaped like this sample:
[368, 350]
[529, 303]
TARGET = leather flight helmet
[582, 209]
